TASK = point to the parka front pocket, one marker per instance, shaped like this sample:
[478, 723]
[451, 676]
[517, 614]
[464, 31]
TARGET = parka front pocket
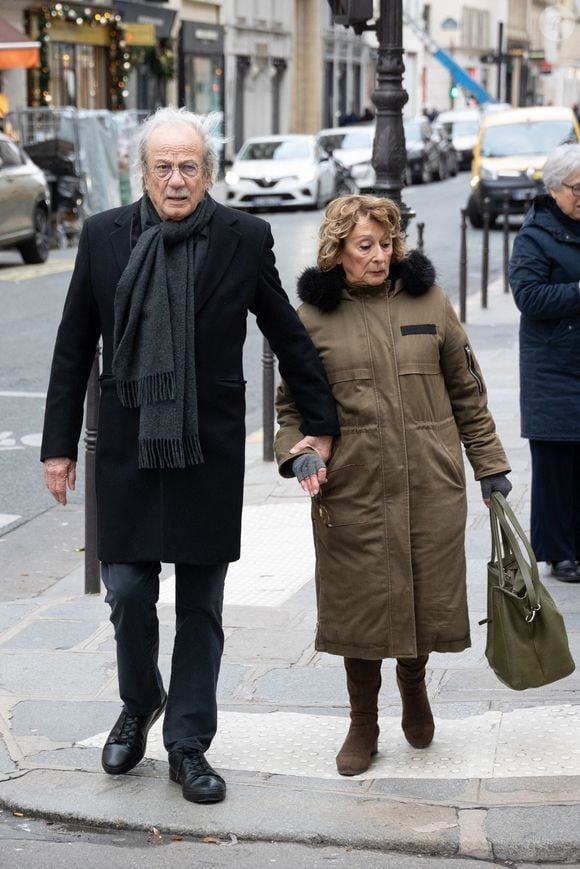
[354, 392]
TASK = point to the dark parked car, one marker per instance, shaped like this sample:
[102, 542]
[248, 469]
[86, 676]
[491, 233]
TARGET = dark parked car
[425, 162]
[447, 150]
[24, 203]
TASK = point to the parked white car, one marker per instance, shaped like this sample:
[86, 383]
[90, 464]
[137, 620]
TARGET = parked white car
[353, 148]
[280, 172]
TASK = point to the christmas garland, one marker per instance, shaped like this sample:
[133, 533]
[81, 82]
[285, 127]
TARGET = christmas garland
[120, 57]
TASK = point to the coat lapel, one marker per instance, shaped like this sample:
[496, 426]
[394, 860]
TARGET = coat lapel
[121, 235]
[223, 241]
[224, 238]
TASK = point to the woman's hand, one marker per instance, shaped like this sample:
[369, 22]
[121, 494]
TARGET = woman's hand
[494, 483]
[310, 471]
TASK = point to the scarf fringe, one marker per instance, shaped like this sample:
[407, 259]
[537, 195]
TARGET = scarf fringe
[149, 389]
[170, 452]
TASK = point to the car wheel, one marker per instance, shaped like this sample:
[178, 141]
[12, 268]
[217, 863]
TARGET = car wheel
[426, 173]
[36, 249]
[474, 213]
[442, 172]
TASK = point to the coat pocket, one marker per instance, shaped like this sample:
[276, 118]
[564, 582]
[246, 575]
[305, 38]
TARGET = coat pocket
[354, 392]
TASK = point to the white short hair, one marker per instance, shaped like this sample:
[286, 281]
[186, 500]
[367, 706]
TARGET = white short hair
[206, 126]
[561, 163]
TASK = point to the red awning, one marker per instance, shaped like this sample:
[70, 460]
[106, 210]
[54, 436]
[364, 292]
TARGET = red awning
[17, 50]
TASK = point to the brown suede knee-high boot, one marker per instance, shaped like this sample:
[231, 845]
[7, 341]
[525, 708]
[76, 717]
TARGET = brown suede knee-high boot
[363, 681]
[417, 722]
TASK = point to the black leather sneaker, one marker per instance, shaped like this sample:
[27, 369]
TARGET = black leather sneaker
[127, 741]
[199, 782]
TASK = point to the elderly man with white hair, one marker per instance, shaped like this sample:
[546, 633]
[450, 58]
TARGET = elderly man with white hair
[167, 284]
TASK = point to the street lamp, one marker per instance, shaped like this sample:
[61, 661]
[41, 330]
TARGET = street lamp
[389, 152]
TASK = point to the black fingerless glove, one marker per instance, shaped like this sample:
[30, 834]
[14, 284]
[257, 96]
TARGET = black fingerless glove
[495, 483]
[304, 466]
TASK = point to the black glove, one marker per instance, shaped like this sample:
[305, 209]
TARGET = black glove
[304, 466]
[495, 483]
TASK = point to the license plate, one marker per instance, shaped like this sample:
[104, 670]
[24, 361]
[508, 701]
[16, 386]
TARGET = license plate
[523, 194]
[267, 201]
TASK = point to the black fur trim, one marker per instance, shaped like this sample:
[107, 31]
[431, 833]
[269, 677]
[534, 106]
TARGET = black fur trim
[324, 289]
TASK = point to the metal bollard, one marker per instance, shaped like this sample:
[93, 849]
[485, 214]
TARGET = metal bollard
[92, 567]
[420, 231]
[485, 253]
[463, 267]
[267, 402]
[506, 242]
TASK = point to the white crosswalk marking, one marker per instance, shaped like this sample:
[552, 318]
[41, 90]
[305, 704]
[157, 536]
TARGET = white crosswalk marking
[8, 518]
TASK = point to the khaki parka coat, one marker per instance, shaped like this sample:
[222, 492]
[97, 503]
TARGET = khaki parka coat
[389, 524]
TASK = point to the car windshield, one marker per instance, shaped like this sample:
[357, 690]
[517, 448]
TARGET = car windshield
[286, 150]
[345, 141]
[463, 128]
[531, 137]
[413, 132]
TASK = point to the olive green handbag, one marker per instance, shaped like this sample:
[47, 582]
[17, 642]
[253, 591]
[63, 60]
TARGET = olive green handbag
[527, 644]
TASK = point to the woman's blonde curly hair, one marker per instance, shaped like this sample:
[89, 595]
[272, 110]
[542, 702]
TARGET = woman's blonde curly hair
[344, 213]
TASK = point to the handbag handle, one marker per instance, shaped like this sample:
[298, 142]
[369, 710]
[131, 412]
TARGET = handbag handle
[503, 518]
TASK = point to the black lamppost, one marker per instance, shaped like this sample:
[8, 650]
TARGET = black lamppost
[389, 97]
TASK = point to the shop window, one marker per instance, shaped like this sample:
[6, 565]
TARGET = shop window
[78, 74]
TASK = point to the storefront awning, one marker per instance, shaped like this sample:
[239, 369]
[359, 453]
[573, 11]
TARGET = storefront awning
[17, 50]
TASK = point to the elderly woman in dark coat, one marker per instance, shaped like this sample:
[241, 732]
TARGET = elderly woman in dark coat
[544, 276]
[389, 522]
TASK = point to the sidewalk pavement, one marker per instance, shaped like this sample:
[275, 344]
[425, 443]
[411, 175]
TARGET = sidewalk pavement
[501, 779]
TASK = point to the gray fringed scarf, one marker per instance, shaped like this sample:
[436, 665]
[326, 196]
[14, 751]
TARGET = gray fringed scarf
[154, 337]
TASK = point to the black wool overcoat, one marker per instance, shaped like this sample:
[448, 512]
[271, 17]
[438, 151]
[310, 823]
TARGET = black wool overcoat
[190, 515]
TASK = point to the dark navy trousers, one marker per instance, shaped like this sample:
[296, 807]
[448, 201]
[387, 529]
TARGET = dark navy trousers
[555, 519]
[132, 593]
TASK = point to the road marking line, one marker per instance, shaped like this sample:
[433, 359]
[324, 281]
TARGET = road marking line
[7, 394]
[24, 273]
[8, 518]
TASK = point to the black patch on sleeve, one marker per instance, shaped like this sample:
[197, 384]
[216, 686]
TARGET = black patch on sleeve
[419, 329]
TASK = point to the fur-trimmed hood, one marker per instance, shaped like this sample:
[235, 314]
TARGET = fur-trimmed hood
[324, 289]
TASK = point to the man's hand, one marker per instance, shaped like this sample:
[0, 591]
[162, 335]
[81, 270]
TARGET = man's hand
[321, 444]
[58, 474]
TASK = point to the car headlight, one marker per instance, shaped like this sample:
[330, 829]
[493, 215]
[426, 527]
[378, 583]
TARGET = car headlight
[487, 174]
[232, 177]
[307, 175]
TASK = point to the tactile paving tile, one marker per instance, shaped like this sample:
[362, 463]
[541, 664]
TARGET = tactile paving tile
[277, 557]
[528, 742]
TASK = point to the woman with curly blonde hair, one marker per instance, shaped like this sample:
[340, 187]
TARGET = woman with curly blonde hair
[389, 511]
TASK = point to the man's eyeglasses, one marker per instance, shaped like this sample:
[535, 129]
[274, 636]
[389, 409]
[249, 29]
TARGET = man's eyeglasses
[575, 188]
[164, 171]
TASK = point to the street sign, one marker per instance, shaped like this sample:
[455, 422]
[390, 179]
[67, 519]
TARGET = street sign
[495, 58]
